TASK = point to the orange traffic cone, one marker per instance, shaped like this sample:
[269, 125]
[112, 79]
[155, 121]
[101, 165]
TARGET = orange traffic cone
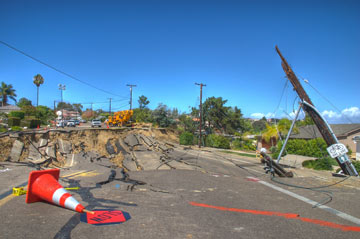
[43, 185]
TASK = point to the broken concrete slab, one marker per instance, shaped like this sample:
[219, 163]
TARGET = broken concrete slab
[50, 151]
[73, 159]
[34, 154]
[131, 140]
[147, 140]
[110, 148]
[121, 147]
[129, 164]
[91, 156]
[140, 147]
[148, 160]
[64, 146]
[16, 151]
[43, 142]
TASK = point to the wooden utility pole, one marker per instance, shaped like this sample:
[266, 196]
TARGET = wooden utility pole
[110, 106]
[329, 138]
[200, 126]
[131, 86]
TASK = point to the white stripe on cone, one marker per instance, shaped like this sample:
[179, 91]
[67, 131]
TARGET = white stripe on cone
[70, 202]
[57, 195]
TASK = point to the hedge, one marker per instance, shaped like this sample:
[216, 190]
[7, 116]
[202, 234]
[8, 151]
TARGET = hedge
[217, 141]
[186, 138]
[30, 123]
[17, 114]
[312, 148]
[14, 121]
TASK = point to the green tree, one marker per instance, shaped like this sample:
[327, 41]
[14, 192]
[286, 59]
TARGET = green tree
[44, 114]
[7, 91]
[24, 102]
[64, 106]
[284, 126]
[142, 115]
[259, 126]
[215, 112]
[77, 107]
[161, 116]
[306, 121]
[38, 80]
[143, 102]
[187, 124]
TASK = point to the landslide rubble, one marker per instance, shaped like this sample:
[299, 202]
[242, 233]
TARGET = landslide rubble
[133, 150]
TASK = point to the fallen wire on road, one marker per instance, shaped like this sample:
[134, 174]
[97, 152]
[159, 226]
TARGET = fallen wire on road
[239, 166]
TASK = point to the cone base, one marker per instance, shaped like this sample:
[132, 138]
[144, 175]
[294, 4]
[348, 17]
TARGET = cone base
[30, 197]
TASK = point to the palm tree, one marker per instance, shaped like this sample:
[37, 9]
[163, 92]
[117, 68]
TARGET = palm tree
[6, 91]
[270, 134]
[38, 80]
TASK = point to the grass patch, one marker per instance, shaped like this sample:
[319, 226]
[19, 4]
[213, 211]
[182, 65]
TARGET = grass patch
[241, 154]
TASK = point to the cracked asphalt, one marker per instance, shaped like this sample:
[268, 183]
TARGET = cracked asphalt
[208, 195]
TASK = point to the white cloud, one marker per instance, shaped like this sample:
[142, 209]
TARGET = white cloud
[260, 115]
[257, 115]
[346, 116]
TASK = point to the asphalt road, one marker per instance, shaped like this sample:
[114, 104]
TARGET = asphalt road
[224, 196]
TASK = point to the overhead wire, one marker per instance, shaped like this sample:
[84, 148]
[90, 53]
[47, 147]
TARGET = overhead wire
[326, 99]
[58, 70]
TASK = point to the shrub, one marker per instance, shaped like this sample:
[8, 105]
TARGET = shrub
[356, 165]
[319, 164]
[25, 123]
[186, 138]
[243, 144]
[17, 114]
[217, 141]
[14, 121]
[312, 148]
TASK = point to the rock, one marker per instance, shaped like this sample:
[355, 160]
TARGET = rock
[43, 142]
[131, 140]
[129, 164]
[64, 146]
[34, 154]
[16, 151]
[109, 148]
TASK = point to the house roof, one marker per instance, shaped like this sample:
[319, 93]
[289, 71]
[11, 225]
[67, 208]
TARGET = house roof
[311, 131]
[9, 108]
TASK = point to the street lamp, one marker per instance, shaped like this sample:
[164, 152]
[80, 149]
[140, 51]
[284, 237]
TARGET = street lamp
[62, 88]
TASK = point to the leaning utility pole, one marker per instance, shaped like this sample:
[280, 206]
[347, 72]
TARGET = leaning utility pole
[321, 124]
[201, 86]
[131, 86]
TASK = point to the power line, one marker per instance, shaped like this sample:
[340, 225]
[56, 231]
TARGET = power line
[58, 70]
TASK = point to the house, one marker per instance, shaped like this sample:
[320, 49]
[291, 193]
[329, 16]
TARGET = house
[344, 133]
[8, 108]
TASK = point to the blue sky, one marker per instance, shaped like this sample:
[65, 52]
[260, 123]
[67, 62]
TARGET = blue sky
[164, 47]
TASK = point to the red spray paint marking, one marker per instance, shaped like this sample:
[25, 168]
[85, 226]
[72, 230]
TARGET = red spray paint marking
[279, 214]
